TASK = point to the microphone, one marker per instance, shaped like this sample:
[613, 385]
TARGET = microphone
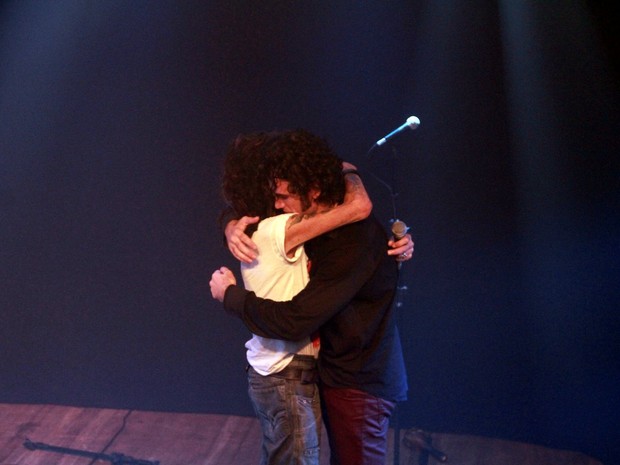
[412, 123]
[399, 229]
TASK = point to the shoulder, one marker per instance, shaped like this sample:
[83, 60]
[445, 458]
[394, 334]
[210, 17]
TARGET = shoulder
[271, 238]
[272, 223]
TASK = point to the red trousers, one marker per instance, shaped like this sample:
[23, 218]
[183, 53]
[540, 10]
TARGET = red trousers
[357, 426]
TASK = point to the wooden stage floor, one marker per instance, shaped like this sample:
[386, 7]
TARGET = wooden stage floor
[205, 439]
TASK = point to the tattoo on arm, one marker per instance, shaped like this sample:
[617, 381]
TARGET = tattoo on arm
[299, 217]
[354, 183]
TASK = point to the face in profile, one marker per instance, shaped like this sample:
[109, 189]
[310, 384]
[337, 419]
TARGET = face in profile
[289, 202]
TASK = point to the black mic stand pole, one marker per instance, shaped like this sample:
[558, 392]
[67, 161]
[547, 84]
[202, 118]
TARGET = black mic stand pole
[398, 302]
[400, 288]
[412, 439]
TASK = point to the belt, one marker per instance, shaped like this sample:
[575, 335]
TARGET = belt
[304, 358]
[306, 375]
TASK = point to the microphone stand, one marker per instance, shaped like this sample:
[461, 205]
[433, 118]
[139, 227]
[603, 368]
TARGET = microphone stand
[400, 288]
[422, 442]
[114, 458]
[415, 439]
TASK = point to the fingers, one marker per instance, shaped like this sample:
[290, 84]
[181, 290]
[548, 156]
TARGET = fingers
[403, 249]
[214, 284]
[242, 251]
[246, 220]
[240, 244]
[221, 279]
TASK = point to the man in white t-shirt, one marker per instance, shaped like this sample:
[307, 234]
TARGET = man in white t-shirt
[282, 374]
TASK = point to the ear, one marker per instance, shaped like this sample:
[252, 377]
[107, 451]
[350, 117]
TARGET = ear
[314, 193]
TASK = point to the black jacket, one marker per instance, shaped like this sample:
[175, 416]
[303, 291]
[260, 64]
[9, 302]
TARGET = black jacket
[349, 300]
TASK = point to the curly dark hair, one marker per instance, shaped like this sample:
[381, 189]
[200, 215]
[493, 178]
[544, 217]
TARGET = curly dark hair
[306, 161]
[246, 180]
[254, 161]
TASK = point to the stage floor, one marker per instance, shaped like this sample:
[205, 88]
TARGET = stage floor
[205, 439]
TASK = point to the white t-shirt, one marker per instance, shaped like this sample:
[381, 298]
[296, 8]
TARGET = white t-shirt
[275, 276]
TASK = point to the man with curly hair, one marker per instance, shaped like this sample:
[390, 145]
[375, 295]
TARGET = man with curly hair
[348, 300]
[282, 374]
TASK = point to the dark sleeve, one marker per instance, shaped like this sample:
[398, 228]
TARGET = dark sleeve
[341, 268]
[226, 216]
[229, 214]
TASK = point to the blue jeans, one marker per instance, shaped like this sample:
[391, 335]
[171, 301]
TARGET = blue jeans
[289, 411]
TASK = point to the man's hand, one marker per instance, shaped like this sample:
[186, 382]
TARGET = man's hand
[402, 249]
[220, 280]
[239, 243]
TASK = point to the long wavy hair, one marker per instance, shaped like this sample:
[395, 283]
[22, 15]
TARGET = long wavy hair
[246, 183]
